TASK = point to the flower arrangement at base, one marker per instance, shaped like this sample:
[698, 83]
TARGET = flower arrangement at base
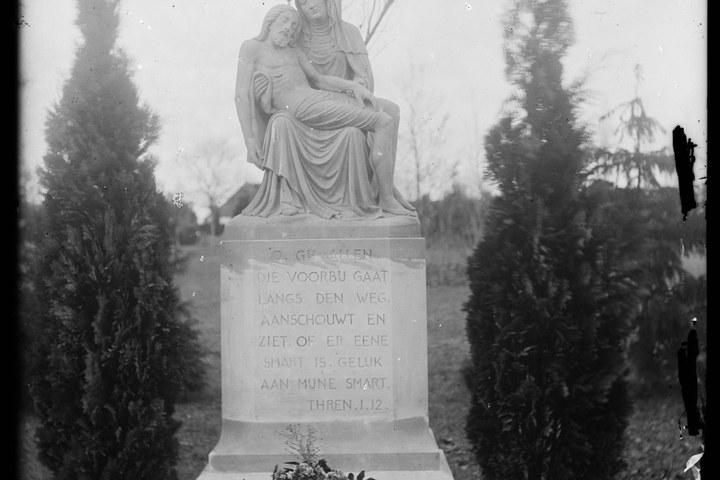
[312, 471]
[304, 446]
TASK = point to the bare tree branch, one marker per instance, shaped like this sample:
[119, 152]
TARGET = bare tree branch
[373, 24]
[424, 134]
[372, 17]
[213, 169]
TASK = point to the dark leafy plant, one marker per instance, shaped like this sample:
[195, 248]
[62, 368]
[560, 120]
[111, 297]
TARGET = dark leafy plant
[456, 219]
[547, 318]
[667, 297]
[114, 353]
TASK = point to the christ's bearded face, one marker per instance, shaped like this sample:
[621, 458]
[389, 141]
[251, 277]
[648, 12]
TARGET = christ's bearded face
[284, 28]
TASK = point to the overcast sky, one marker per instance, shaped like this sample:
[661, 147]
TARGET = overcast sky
[184, 56]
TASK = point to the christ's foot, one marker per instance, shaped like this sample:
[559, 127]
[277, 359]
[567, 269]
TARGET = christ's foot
[289, 211]
[394, 207]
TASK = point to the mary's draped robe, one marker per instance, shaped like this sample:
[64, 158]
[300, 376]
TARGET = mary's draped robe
[327, 173]
[323, 172]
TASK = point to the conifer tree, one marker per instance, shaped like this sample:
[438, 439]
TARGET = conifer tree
[547, 314]
[114, 348]
[639, 168]
[667, 297]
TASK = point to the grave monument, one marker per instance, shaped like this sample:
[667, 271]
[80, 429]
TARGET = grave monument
[323, 300]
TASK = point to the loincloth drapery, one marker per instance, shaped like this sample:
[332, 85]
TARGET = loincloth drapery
[329, 111]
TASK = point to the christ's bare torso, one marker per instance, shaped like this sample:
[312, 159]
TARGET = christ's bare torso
[290, 83]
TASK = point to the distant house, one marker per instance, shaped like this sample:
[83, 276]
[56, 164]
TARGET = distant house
[239, 200]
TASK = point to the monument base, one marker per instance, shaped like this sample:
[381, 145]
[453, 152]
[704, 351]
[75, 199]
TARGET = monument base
[442, 474]
[385, 450]
[403, 446]
[324, 325]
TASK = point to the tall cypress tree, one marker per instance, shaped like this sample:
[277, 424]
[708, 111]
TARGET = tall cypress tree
[547, 314]
[113, 345]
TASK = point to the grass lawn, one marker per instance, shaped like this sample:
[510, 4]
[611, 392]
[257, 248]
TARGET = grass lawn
[654, 449]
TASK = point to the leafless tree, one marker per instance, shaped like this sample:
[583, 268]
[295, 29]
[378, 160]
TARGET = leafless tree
[213, 168]
[473, 152]
[371, 15]
[423, 133]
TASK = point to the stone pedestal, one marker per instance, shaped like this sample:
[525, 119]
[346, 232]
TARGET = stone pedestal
[323, 323]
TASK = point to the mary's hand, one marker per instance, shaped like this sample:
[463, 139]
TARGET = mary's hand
[361, 81]
[363, 95]
[253, 152]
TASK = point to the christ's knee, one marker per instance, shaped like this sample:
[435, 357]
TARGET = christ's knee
[385, 122]
[389, 107]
